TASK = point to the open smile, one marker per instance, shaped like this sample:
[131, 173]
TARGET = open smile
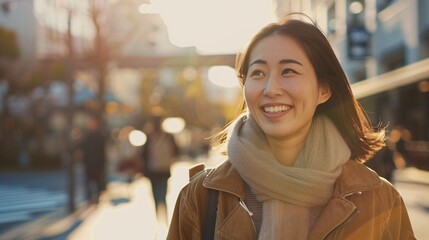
[276, 108]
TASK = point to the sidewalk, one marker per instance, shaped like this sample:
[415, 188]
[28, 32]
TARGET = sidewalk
[411, 175]
[413, 184]
[125, 211]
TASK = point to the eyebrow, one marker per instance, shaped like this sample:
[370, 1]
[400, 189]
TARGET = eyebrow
[283, 61]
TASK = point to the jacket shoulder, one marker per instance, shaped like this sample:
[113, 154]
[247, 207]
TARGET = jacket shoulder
[197, 175]
[196, 169]
[388, 192]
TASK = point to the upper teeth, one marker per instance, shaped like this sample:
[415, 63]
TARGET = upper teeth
[275, 109]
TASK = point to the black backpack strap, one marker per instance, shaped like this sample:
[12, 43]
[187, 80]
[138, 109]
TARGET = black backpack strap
[211, 210]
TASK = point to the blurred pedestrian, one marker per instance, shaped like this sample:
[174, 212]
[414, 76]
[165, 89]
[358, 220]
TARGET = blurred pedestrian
[401, 137]
[93, 157]
[294, 168]
[158, 154]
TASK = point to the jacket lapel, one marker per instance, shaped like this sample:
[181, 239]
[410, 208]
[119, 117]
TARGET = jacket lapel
[233, 221]
[334, 214]
[354, 179]
[237, 225]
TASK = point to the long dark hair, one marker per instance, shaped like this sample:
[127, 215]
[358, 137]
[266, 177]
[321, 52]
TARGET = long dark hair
[342, 108]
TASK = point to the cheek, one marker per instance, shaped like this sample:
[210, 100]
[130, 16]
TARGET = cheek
[247, 97]
[249, 93]
[250, 97]
[304, 91]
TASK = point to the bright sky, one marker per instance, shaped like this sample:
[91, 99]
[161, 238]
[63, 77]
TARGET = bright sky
[213, 27]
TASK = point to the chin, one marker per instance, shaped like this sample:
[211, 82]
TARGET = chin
[275, 133]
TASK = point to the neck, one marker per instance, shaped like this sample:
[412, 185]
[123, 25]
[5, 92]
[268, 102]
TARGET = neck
[285, 153]
[287, 149]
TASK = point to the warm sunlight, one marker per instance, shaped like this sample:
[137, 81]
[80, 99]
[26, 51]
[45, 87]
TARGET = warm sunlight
[173, 124]
[223, 76]
[137, 138]
[213, 27]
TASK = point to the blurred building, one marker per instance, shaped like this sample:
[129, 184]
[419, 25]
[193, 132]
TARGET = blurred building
[19, 17]
[131, 34]
[143, 68]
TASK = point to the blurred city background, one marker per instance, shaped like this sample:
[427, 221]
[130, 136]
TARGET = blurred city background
[63, 62]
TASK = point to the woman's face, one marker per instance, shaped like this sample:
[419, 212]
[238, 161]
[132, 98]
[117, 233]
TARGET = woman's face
[281, 89]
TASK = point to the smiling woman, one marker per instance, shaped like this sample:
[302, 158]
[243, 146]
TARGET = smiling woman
[295, 155]
[282, 93]
[213, 27]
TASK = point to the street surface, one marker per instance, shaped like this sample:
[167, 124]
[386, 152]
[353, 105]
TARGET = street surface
[26, 196]
[413, 185]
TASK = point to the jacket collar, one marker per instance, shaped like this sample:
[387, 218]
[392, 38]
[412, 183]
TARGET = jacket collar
[225, 178]
[354, 178]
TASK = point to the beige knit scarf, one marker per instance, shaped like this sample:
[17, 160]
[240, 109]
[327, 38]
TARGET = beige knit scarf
[290, 195]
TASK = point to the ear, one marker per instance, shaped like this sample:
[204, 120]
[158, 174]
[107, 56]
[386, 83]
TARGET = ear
[324, 93]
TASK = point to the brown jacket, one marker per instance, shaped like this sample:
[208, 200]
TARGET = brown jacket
[363, 206]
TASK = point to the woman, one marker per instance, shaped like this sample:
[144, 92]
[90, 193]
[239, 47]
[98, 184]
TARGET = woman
[295, 157]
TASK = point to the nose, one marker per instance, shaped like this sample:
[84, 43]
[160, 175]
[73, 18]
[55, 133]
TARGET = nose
[272, 87]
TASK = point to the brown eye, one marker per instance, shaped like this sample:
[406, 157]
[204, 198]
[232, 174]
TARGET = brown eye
[289, 71]
[256, 73]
